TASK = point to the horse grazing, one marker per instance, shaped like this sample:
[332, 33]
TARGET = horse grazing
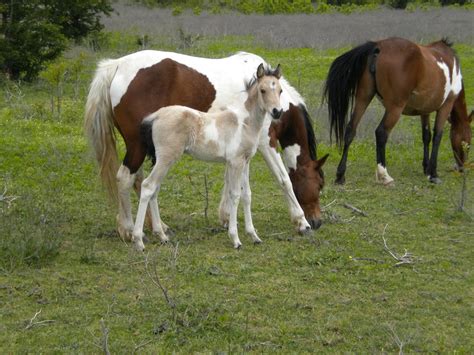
[408, 79]
[126, 90]
[229, 136]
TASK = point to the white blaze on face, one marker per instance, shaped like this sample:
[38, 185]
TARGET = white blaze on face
[290, 156]
[453, 82]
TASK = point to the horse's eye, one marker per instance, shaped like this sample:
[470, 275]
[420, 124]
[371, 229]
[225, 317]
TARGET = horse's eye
[262, 91]
[281, 91]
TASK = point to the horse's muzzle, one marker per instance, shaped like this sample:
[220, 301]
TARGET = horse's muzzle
[314, 223]
[276, 114]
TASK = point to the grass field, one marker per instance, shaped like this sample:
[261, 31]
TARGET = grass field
[337, 290]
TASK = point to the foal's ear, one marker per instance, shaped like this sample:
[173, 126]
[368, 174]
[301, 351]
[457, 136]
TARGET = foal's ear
[260, 71]
[277, 72]
[320, 162]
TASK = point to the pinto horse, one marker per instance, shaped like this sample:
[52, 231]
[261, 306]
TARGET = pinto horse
[126, 90]
[408, 79]
[229, 136]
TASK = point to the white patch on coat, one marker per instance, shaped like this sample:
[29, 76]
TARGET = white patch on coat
[447, 81]
[290, 156]
[381, 175]
[456, 79]
[210, 132]
[453, 82]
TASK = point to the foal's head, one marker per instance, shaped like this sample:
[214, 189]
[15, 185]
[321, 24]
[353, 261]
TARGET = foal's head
[268, 91]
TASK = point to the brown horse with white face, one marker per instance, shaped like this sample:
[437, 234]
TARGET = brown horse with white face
[408, 79]
[126, 90]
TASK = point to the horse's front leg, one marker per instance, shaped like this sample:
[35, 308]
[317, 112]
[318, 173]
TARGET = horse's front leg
[426, 136]
[441, 117]
[275, 163]
[234, 171]
[382, 132]
[246, 202]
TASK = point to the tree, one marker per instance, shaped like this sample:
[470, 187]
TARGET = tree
[33, 32]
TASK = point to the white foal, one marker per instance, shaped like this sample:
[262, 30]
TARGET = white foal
[230, 136]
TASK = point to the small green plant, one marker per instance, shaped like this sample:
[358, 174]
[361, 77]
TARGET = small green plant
[177, 10]
[55, 76]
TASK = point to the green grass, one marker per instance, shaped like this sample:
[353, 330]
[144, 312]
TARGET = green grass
[334, 291]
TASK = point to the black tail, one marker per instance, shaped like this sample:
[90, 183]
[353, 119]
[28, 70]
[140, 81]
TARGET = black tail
[341, 85]
[146, 134]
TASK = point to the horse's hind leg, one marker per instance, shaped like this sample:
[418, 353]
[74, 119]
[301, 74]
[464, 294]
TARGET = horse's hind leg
[426, 135]
[364, 95]
[390, 118]
[246, 203]
[224, 204]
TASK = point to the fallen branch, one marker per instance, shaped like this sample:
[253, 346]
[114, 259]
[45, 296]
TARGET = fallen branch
[406, 258]
[7, 199]
[105, 337]
[355, 209]
[32, 322]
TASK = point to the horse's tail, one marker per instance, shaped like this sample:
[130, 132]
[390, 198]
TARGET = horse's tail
[341, 84]
[146, 134]
[99, 125]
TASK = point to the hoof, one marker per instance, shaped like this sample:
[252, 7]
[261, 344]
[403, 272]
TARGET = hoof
[434, 180]
[139, 246]
[238, 246]
[256, 242]
[340, 180]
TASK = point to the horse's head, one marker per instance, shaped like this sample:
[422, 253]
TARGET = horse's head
[269, 91]
[308, 181]
[461, 133]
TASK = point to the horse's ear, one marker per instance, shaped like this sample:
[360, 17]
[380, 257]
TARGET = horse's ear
[320, 162]
[277, 71]
[260, 71]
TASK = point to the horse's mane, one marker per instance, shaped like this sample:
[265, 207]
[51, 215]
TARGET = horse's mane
[309, 132]
[447, 42]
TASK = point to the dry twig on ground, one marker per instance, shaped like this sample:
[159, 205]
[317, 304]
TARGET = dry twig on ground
[355, 209]
[406, 258]
[33, 323]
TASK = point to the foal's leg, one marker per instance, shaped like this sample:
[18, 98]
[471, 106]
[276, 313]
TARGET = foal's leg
[125, 181]
[150, 188]
[148, 219]
[274, 162]
[246, 202]
[390, 118]
[441, 117]
[224, 204]
[364, 95]
[234, 184]
[426, 135]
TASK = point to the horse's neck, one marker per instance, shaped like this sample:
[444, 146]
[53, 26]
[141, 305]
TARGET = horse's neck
[291, 131]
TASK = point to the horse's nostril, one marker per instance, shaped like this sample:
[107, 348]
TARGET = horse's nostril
[315, 223]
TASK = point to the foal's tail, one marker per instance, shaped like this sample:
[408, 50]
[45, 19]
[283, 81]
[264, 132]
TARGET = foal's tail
[341, 84]
[99, 125]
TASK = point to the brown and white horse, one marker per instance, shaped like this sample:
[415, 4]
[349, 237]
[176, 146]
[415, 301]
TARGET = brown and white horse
[408, 79]
[126, 90]
[230, 136]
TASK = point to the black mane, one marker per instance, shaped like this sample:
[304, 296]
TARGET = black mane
[310, 133]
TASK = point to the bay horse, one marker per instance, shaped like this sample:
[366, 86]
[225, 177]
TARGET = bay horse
[125, 90]
[409, 79]
[230, 136]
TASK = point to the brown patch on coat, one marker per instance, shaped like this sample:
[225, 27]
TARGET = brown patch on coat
[163, 84]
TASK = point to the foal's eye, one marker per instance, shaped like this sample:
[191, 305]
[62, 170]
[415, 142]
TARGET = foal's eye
[262, 91]
[281, 91]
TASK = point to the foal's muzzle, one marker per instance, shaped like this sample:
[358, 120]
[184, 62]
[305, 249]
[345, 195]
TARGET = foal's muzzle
[276, 114]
